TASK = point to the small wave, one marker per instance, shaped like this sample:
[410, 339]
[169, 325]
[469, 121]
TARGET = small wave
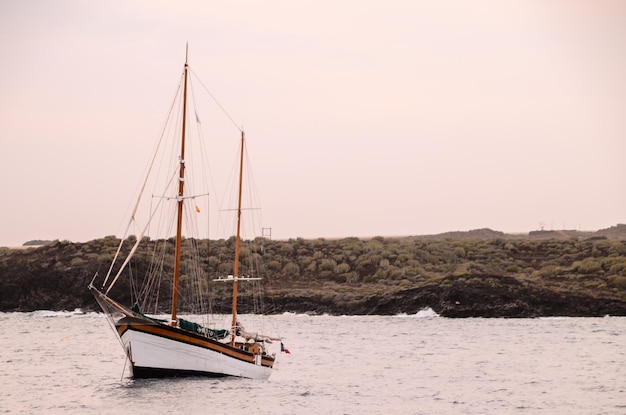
[291, 314]
[77, 312]
[554, 318]
[423, 313]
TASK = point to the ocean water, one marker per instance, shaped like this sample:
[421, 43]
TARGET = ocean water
[71, 363]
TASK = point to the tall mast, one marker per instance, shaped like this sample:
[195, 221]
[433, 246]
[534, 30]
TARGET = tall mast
[181, 188]
[237, 241]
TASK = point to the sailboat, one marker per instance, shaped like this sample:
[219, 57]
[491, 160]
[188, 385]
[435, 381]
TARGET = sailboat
[173, 346]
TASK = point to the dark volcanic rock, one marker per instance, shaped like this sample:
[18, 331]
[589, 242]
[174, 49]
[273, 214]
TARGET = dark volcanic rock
[481, 296]
[494, 296]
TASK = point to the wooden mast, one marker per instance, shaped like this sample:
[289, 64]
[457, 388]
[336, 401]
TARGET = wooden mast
[181, 188]
[237, 242]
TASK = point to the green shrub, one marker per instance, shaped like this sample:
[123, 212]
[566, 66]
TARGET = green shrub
[618, 282]
[291, 269]
[513, 269]
[342, 268]
[587, 266]
[77, 262]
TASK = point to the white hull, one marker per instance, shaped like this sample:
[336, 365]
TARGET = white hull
[159, 350]
[156, 354]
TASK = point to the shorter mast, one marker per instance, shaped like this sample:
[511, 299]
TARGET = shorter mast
[237, 242]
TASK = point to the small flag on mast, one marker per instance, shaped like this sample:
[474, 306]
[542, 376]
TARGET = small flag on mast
[284, 349]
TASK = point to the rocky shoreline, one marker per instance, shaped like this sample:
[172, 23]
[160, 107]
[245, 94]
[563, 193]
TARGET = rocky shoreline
[507, 298]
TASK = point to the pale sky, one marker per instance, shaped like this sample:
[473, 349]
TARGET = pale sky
[363, 117]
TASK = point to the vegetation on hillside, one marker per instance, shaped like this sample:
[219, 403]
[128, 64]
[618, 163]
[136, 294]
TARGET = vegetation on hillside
[352, 275]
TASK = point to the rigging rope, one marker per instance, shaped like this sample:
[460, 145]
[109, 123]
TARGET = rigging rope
[216, 101]
[137, 242]
[132, 216]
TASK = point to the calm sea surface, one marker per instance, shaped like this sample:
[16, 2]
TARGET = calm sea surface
[69, 363]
